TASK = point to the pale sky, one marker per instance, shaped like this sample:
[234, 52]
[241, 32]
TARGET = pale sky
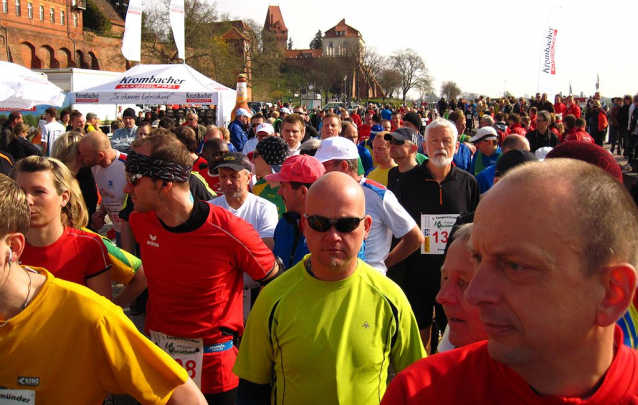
[484, 46]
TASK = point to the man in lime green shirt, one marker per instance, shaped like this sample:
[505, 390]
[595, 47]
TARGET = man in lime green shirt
[326, 331]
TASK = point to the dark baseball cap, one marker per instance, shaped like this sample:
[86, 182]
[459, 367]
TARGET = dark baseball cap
[236, 161]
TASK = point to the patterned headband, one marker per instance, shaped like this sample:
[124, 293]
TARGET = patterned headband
[156, 168]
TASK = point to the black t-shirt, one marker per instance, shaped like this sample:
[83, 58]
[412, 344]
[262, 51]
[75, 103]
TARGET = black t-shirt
[419, 194]
[88, 188]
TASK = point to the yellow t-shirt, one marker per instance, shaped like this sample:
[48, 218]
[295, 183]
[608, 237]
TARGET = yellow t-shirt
[380, 175]
[73, 346]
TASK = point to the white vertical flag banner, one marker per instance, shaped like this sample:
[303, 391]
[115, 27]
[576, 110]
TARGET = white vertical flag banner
[547, 70]
[177, 24]
[132, 41]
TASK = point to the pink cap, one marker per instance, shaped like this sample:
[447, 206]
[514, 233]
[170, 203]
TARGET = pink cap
[300, 169]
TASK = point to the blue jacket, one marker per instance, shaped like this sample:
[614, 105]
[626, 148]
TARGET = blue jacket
[238, 136]
[463, 158]
[290, 244]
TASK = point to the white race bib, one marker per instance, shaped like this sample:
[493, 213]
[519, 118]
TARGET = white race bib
[12, 397]
[436, 230]
[187, 352]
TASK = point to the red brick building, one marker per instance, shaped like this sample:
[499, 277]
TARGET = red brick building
[275, 25]
[43, 34]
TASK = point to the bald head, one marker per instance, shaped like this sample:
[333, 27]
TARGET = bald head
[343, 189]
[335, 226]
[95, 149]
[98, 141]
[515, 142]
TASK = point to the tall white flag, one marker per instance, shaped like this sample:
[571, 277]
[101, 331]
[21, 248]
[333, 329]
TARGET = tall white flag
[547, 70]
[177, 24]
[132, 41]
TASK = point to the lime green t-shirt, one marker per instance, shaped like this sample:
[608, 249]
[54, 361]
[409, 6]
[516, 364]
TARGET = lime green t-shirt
[328, 342]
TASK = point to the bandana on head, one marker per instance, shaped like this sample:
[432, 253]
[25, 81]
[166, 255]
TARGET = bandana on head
[273, 149]
[156, 168]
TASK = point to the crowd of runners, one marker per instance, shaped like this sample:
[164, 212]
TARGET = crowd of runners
[468, 251]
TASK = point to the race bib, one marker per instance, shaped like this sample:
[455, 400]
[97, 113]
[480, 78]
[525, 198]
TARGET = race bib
[436, 230]
[12, 397]
[188, 353]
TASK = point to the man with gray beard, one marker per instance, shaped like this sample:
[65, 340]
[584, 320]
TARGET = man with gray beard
[434, 194]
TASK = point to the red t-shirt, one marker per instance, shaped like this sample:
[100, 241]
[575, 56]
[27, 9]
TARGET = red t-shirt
[76, 256]
[212, 181]
[468, 375]
[364, 132]
[199, 161]
[195, 282]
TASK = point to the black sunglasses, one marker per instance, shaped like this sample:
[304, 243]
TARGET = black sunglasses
[393, 140]
[323, 224]
[132, 179]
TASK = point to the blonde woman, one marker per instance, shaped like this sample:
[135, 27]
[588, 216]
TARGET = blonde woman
[19, 147]
[54, 240]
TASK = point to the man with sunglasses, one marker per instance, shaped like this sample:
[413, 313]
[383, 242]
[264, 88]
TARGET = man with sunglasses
[262, 131]
[434, 194]
[388, 216]
[195, 255]
[487, 149]
[192, 122]
[327, 330]
[403, 149]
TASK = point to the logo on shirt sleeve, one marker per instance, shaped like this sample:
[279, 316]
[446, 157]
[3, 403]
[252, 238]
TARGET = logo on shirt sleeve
[152, 241]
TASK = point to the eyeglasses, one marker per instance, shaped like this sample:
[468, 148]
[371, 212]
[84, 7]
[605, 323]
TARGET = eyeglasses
[132, 179]
[393, 140]
[255, 155]
[323, 224]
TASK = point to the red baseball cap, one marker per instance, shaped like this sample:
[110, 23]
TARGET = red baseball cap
[300, 169]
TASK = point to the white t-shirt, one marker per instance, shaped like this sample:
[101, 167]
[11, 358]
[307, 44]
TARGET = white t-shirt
[52, 131]
[110, 183]
[250, 145]
[257, 211]
[388, 218]
[295, 151]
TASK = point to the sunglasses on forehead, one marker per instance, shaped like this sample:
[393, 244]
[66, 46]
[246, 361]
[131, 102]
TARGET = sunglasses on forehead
[323, 224]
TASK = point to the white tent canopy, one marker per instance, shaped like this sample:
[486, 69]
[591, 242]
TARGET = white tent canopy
[22, 89]
[161, 84]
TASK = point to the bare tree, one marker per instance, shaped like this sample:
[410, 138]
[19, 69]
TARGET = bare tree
[450, 90]
[371, 65]
[410, 66]
[205, 50]
[389, 80]
[424, 86]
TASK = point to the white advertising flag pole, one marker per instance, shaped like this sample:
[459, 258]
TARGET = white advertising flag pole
[132, 40]
[547, 66]
[177, 25]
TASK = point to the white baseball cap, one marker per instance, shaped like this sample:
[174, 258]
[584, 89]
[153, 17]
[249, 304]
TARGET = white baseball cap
[337, 147]
[484, 133]
[265, 127]
[242, 111]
